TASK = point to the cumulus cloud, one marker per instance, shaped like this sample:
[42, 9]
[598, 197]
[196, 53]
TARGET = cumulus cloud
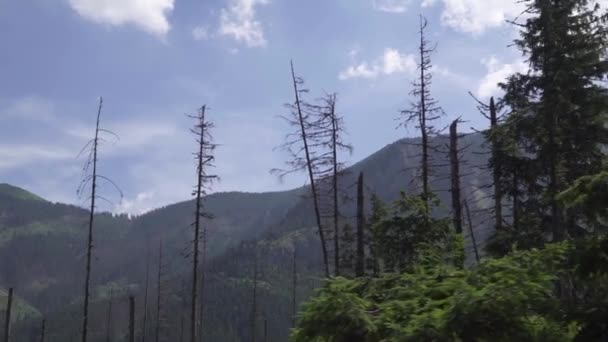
[391, 6]
[476, 16]
[238, 21]
[148, 15]
[497, 73]
[391, 62]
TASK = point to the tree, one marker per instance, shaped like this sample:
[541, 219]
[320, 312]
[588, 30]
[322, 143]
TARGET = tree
[146, 286]
[424, 112]
[205, 159]
[455, 178]
[159, 293]
[91, 165]
[558, 107]
[131, 319]
[7, 317]
[360, 255]
[297, 144]
[254, 298]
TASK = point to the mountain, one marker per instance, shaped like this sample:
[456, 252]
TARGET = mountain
[42, 249]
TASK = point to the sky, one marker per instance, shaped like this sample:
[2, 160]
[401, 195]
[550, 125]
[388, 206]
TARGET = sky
[155, 61]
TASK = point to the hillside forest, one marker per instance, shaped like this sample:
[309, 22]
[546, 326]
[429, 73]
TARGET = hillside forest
[496, 234]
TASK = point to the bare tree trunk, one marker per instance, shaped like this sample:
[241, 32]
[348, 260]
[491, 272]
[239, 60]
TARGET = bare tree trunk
[310, 173]
[294, 287]
[7, 318]
[422, 121]
[360, 263]
[85, 318]
[197, 227]
[158, 292]
[43, 330]
[265, 329]
[109, 317]
[455, 176]
[336, 212]
[254, 306]
[131, 319]
[497, 165]
[466, 206]
[145, 313]
[181, 328]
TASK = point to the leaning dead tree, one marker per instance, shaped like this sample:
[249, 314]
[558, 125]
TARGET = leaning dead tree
[471, 231]
[90, 181]
[204, 160]
[424, 111]
[299, 145]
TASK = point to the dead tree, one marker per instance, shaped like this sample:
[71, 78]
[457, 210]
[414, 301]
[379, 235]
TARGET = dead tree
[131, 319]
[471, 231]
[498, 160]
[7, 317]
[109, 316]
[145, 309]
[159, 292]
[254, 302]
[92, 178]
[497, 164]
[205, 160]
[424, 112]
[455, 178]
[327, 134]
[360, 262]
[43, 330]
[294, 288]
[297, 144]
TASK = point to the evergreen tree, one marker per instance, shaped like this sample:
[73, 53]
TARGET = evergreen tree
[557, 118]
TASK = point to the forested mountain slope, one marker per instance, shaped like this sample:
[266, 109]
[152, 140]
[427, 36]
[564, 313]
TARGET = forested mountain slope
[42, 247]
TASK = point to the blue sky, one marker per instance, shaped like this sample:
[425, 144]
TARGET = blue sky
[154, 61]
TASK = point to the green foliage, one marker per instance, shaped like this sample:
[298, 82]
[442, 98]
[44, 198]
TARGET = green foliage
[505, 299]
[587, 199]
[408, 234]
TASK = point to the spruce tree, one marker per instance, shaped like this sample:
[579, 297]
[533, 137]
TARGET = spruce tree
[558, 107]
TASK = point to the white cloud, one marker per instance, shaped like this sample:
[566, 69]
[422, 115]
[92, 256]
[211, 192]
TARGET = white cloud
[29, 108]
[391, 62]
[13, 156]
[497, 73]
[239, 21]
[200, 33]
[139, 205]
[391, 6]
[148, 15]
[476, 16]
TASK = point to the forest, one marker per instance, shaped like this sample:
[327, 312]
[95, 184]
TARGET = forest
[455, 235]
